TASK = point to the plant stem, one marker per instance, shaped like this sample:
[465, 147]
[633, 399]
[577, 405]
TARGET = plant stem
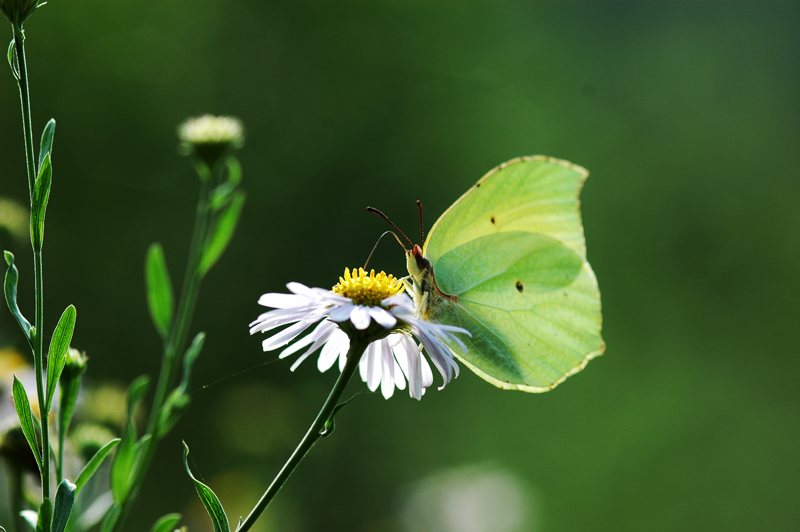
[312, 436]
[173, 346]
[25, 102]
[38, 357]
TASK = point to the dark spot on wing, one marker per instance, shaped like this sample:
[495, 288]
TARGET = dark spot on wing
[477, 185]
[493, 220]
[520, 287]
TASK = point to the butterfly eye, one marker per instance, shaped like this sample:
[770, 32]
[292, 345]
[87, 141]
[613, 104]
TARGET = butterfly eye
[422, 262]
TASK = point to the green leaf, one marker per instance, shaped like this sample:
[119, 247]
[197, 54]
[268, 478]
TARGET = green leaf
[208, 498]
[222, 233]
[57, 353]
[178, 399]
[10, 289]
[166, 523]
[93, 464]
[65, 498]
[25, 415]
[160, 300]
[45, 519]
[234, 171]
[221, 195]
[41, 193]
[110, 519]
[126, 454]
[46, 145]
[12, 59]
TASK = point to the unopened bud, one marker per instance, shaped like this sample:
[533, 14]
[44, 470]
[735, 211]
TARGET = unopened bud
[209, 137]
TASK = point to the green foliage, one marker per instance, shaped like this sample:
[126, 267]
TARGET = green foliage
[12, 60]
[208, 498]
[178, 400]
[10, 290]
[57, 354]
[46, 145]
[222, 233]
[124, 460]
[65, 498]
[95, 462]
[41, 193]
[26, 419]
[167, 523]
[160, 299]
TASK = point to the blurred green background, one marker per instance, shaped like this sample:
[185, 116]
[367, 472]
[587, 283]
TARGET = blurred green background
[687, 116]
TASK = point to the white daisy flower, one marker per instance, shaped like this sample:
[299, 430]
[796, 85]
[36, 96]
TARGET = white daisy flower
[374, 307]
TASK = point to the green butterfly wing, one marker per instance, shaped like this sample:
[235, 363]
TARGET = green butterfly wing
[512, 250]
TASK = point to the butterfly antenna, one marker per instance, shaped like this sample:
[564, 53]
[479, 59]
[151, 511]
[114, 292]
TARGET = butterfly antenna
[379, 213]
[421, 225]
[379, 241]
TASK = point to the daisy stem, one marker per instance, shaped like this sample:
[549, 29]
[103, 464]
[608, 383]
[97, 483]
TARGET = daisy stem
[315, 432]
[38, 357]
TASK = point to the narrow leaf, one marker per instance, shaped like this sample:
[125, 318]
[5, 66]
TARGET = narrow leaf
[12, 60]
[25, 415]
[41, 193]
[178, 399]
[208, 498]
[10, 289]
[65, 498]
[57, 353]
[166, 523]
[160, 300]
[93, 464]
[222, 233]
[234, 170]
[46, 145]
[111, 518]
[126, 453]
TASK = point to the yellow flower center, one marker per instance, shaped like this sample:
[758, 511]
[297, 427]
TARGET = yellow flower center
[367, 289]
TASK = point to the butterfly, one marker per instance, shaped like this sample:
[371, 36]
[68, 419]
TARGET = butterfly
[507, 262]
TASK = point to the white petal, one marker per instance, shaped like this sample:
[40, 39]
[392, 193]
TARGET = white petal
[399, 381]
[342, 313]
[321, 329]
[425, 370]
[285, 336]
[383, 318]
[329, 354]
[316, 345]
[282, 300]
[373, 367]
[344, 347]
[387, 368]
[398, 299]
[363, 366]
[360, 317]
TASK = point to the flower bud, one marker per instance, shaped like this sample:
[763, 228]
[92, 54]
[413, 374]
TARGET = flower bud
[18, 11]
[209, 137]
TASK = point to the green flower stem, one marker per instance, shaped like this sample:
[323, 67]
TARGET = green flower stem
[173, 346]
[25, 101]
[38, 367]
[315, 432]
[38, 357]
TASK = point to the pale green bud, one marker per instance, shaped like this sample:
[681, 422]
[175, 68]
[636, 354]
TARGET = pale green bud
[209, 137]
